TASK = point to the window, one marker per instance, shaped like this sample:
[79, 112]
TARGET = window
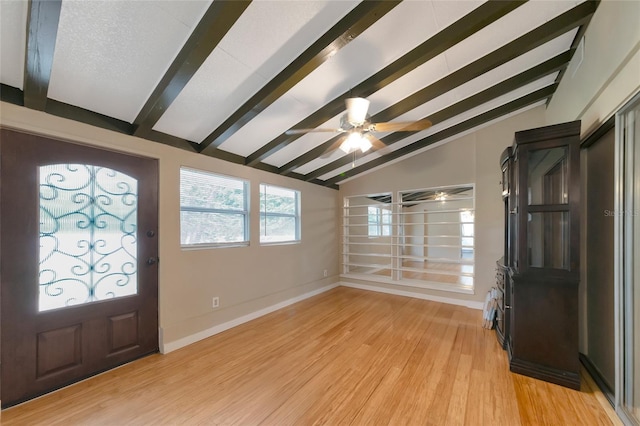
[379, 220]
[466, 228]
[213, 209]
[279, 214]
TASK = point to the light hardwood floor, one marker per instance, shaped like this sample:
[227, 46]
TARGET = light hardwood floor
[344, 357]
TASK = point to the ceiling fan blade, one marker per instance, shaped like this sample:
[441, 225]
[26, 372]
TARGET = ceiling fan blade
[317, 130]
[333, 147]
[375, 142]
[401, 126]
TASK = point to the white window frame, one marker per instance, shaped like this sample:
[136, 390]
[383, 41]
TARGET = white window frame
[265, 214]
[235, 212]
[467, 231]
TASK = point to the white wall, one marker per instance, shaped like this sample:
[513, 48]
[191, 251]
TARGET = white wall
[609, 73]
[473, 158]
[246, 279]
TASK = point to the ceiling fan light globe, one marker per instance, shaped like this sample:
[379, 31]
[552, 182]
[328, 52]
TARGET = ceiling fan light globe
[345, 146]
[357, 110]
[352, 142]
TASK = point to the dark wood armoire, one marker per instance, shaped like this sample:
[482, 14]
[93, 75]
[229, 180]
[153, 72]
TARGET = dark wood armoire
[538, 277]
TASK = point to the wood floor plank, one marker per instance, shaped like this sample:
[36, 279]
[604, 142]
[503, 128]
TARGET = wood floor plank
[345, 357]
[458, 402]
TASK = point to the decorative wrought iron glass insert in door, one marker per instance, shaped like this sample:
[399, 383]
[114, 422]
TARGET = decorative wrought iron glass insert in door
[88, 225]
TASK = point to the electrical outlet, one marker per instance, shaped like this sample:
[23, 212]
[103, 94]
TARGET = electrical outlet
[325, 273]
[216, 302]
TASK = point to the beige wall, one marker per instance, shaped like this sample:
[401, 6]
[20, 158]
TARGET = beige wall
[594, 90]
[610, 70]
[473, 158]
[246, 279]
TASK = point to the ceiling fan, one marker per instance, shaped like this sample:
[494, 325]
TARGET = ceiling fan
[358, 128]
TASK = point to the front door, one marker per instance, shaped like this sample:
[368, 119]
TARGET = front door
[78, 271]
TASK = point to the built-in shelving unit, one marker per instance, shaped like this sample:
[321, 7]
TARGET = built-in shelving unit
[421, 238]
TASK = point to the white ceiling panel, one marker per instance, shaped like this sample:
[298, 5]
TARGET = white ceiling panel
[264, 40]
[110, 55]
[504, 30]
[271, 34]
[303, 144]
[13, 32]
[494, 103]
[422, 76]
[515, 66]
[203, 101]
[448, 12]
[186, 11]
[377, 47]
[276, 119]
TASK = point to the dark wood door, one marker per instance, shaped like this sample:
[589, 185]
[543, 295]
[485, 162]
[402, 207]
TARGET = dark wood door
[79, 272]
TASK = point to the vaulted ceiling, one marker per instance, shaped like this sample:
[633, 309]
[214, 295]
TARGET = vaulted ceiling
[227, 79]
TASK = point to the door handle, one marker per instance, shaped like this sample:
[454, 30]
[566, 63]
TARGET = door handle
[153, 260]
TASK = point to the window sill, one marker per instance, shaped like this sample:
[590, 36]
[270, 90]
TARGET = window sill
[213, 246]
[280, 243]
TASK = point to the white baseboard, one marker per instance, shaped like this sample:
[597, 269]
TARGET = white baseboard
[467, 303]
[180, 343]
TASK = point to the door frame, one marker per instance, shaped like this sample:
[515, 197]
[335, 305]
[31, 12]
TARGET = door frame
[98, 147]
[623, 252]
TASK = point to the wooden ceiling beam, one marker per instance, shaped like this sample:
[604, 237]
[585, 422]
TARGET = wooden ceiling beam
[43, 17]
[479, 18]
[347, 29]
[11, 94]
[82, 115]
[469, 124]
[174, 141]
[214, 25]
[273, 169]
[557, 63]
[535, 38]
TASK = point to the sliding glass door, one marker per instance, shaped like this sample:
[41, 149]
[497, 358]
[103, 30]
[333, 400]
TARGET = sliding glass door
[627, 270]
